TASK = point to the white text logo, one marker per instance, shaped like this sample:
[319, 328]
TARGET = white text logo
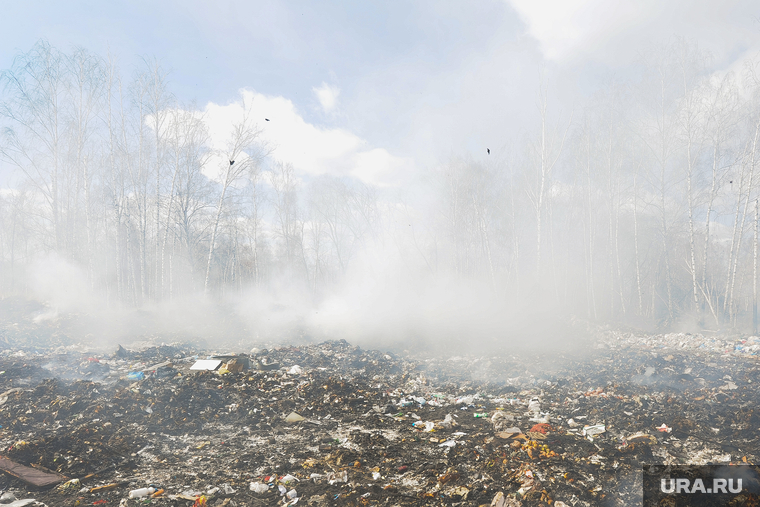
[686, 486]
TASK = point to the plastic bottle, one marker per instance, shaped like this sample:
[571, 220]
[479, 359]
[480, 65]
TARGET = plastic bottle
[139, 493]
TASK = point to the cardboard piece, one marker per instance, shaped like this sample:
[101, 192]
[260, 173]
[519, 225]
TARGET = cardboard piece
[37, 477]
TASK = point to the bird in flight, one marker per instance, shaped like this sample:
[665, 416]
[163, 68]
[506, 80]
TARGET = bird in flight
[232, 162]
[488, 150]
[267, 119]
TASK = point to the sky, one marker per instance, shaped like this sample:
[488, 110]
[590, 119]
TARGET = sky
[382, 90]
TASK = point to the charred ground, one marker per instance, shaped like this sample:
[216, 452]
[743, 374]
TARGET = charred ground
[512, 423]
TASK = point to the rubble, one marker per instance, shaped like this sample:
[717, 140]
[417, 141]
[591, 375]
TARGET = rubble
[334, 424]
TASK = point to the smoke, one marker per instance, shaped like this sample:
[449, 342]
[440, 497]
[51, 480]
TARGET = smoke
[378, 304]
[61, 284]
[449, 313]
[382, 303]
[481, 253]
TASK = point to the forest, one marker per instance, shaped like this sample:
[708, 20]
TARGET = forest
[638, 206]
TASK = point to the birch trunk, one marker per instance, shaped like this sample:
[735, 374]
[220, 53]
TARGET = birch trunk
[636, 246]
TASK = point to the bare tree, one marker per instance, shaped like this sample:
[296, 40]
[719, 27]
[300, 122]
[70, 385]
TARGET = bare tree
[186, 137]
[720, 116]
[254, 219]
[88, 80]
[35, 89]
[194, 196]
[691, 123]
[547, 153]
[243, 149]
[160, 101]
[287, 211]
[656, 129]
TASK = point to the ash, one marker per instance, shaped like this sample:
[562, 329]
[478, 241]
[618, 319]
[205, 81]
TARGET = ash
[334, 424]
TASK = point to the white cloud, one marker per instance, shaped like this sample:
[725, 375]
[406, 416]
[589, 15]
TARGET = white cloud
[614, 32]
[565, 27]
[313, 150]
[327, 96]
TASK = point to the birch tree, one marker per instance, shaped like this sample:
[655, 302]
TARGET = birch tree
[35, 90]
[243, 149]
[547, 151]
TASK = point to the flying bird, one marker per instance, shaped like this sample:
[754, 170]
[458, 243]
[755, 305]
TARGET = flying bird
[232, 162]
[488, 150]
[267, 119]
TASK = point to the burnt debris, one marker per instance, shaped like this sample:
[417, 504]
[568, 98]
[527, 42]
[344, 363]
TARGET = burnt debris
[334, 424]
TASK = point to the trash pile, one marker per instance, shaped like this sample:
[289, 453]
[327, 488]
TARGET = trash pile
[749, 345]
[333, 424]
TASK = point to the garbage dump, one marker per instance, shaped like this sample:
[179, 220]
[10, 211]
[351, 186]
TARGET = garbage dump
[333, 424]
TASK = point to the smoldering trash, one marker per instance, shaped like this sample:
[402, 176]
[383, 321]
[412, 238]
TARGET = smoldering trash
[333, 424]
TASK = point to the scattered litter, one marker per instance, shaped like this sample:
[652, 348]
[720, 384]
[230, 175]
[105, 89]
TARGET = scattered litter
[293, 418]
[207, 364]
[139, 493]
[334, 432]
[594, 430]
[336, 477]
[639, 438]
[508, 433]
[22, 503]
[36, 477]
[258, 487]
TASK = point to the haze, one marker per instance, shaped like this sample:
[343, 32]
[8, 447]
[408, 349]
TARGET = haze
[436, 173]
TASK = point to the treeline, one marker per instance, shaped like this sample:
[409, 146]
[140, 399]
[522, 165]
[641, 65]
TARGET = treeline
[640, 205]
[116, 180]
[643, 204]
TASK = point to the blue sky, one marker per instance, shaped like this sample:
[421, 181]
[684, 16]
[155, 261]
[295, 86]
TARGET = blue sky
[408, 82]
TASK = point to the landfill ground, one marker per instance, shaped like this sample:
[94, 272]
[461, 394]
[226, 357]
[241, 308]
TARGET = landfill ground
[330, 423]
